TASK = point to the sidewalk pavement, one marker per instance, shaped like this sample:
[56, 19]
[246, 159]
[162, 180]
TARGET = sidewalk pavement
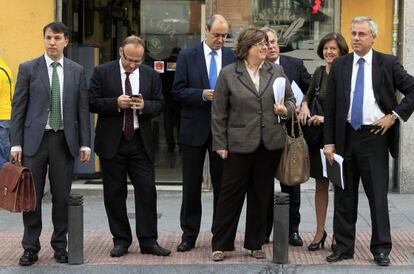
[98, 241]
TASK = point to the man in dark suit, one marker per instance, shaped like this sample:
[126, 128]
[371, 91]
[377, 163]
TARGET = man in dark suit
[361, 124]
[49, 126]
[195, 79]
[296, 72]
[126, 95]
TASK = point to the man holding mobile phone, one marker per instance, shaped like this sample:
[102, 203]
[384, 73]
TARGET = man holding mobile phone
[126, 95]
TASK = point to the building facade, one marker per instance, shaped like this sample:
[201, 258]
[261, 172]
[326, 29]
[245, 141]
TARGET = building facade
[170, 25]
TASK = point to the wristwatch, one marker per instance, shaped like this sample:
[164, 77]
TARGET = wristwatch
[394, 116]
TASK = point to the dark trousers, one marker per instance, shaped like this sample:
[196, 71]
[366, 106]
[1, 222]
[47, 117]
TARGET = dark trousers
[53, 152]
[251, 174]
[366, 158]
[133, 160]
[171, 123]
[193, 163]
[294, 206]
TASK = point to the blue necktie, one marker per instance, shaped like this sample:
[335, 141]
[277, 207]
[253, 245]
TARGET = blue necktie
[356, 112]
[213, 70]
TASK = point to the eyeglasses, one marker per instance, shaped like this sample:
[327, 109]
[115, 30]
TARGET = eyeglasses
[261, 44]
[217, 35]
[129, 60]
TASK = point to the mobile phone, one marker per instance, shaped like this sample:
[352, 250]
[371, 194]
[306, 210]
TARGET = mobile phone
[136, 96]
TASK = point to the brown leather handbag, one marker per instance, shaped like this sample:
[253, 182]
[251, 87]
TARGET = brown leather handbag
[17, 190]
[294, 165]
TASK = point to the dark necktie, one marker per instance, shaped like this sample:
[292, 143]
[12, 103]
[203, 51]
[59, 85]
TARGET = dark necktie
[128, 113]
[213, 70]
[55, 118]
[357, 101]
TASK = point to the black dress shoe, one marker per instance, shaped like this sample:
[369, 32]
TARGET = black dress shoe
[295, 239]
[118, 251]
[61, 256]
[382, 259]
[156, 250]
[185, 246]
[29, 257]
[339, 256]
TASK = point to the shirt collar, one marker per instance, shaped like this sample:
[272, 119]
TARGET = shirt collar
[49, 60]
[208, 50]
[278, 60]
[248, 67]
[367, 57]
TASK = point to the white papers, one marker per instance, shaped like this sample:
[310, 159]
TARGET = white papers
[279, 89]
[335, 172]
[298, 93]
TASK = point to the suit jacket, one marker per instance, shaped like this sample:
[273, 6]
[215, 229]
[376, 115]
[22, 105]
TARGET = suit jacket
[104, 89]
[31, 104]
[387, 76]
[295, 71]
[242, 118]
[191, 78]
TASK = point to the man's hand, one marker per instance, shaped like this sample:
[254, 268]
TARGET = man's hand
[223, 153]
[16, 156]
[84, 156]
[208, 94]
[383, 124]
[124, 101]
[280, 109]
[137, 103]
[329, 151]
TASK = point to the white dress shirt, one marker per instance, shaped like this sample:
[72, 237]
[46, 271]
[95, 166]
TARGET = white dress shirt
[134, 80]
[207, 57]
[370, 110]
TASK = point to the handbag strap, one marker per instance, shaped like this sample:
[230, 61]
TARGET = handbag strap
[318, 81]
[10, 82]
[292, 128]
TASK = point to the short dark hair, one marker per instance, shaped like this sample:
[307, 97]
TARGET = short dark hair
[247, 39]
[56, 27]
[340, 40]
[133, 39]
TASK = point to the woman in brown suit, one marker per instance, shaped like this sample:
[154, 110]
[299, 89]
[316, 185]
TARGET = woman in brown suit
[248, 133]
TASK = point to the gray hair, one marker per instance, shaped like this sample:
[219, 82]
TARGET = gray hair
[269, 29]
[210, 20]
[371, 23]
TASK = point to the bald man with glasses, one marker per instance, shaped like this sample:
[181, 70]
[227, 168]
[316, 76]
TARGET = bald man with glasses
[126, 96]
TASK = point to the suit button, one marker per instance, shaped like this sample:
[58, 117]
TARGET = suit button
[259, 99]
[259, 112]
[262, 125]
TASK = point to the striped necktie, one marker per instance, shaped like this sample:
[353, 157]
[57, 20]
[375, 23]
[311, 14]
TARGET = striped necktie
[55, 119]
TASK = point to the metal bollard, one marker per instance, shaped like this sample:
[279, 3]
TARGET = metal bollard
[281, 228]
[75, 229]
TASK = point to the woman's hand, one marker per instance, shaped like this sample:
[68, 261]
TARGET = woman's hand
[316, 120]
[280, 109]
[223, 153]
[304, 113]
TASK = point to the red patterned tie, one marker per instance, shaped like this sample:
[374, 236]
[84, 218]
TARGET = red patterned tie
[128, 113]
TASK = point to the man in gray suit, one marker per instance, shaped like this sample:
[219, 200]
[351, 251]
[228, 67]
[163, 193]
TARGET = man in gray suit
[49, 126]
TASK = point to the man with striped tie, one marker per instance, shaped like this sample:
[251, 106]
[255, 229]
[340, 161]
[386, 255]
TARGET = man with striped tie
[50, 127]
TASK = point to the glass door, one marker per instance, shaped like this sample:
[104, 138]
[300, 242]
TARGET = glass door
[167, 27]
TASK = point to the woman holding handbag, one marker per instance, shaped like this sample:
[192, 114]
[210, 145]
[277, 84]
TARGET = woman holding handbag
[249, 135]
[331, 46]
